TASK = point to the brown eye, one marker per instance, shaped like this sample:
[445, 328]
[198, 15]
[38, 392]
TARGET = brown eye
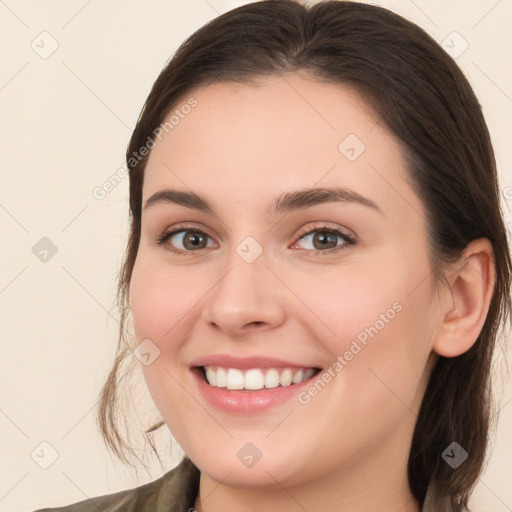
[192, 240]
[182, 241]
[325, 239]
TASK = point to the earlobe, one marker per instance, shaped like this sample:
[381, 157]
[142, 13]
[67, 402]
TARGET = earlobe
[471, 288]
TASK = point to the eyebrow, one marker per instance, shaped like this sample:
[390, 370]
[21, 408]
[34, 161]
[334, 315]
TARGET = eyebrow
[286, 202]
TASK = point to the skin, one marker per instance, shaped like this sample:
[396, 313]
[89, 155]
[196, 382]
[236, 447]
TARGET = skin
[347, 449]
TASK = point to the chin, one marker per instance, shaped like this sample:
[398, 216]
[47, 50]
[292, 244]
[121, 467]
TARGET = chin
[235, 468]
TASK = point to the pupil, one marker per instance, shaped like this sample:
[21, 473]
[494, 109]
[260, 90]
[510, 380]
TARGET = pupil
[325, 238]
[193, 239]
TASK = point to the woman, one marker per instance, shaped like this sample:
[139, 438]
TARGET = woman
[317, 267]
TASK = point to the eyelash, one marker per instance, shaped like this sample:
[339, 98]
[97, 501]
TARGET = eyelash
[348, 239]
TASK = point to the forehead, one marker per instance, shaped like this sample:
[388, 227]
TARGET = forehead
[240, 141]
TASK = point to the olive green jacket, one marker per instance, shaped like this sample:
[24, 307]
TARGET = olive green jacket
[176, 491]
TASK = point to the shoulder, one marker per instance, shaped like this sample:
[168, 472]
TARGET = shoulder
[435, 502]
[173, 492]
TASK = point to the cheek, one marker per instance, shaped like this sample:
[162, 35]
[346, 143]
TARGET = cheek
[161, 298]
[380, 346]
[161, 301]
[377, 319]
[165, 302]
[343, 303]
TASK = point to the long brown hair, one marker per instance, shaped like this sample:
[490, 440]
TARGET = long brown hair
[423, 98]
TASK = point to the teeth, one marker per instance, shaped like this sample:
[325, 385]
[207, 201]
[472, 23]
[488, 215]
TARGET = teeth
[272, 378]
[211, 376]
[234, 379]
[255, 378]
[286, 377]
[308, 373]
[221, 378]
[297, 377]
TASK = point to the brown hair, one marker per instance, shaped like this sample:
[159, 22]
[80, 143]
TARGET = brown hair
[424, 99]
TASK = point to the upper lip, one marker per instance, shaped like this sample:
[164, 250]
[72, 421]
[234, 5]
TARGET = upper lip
[257, 361]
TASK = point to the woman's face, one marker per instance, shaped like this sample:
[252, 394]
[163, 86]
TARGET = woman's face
[262, 296]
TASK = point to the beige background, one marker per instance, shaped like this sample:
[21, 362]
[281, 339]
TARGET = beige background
[66, 119]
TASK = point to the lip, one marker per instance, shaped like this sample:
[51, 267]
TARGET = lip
[245, 363]
[246, 402]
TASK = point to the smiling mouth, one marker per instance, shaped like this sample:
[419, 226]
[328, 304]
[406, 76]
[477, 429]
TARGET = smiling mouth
[254, 379]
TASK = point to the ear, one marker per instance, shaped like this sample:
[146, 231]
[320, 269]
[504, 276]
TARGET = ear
[464, 310]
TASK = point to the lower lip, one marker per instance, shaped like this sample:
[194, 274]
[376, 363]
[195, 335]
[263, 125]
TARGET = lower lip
[248, 402]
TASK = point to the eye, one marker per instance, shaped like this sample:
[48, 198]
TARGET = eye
[325, 239]
[192, 239]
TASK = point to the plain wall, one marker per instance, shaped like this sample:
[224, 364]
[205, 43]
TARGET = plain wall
[66, 120]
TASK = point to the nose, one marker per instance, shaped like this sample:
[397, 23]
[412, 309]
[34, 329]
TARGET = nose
[245, 297]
